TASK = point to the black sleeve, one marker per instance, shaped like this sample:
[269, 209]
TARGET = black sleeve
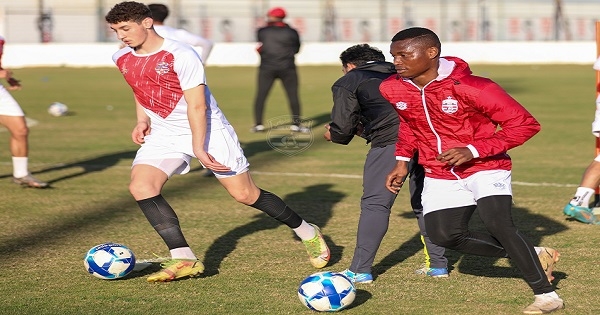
[345, 115]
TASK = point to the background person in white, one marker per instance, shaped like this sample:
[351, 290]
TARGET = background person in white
[160, 12]
[579, 206]
[13, 118]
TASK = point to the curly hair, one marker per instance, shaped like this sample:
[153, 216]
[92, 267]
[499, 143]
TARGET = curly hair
[128, 11]
[360, 54]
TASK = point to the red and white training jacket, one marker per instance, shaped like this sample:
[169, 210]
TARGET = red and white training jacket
[457, 109]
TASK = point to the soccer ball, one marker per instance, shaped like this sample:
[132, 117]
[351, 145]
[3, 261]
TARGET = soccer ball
[58, 109]
[326, 291]
[109, 261]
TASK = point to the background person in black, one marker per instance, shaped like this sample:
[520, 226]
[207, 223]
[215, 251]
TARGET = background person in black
[359, 109]
[278, 46]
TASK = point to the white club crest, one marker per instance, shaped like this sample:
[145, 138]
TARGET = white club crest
[401, 105]
[162, 68]
[449, 105]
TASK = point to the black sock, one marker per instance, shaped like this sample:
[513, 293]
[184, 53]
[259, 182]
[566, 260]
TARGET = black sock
[277, 209]
[164, 220]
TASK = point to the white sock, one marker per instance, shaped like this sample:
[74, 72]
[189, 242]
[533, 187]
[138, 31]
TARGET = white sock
[20, 166]
[538, 250]
[582, 197]
[549, 294]
[182, 253]
[305, 231]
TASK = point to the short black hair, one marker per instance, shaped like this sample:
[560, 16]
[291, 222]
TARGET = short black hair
[360, 54]
[425, 36]
[159, 11]
[128, 11]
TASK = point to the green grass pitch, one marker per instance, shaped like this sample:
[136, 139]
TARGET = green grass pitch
[254, 265]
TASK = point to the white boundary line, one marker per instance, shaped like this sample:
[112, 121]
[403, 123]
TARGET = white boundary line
[350, 176]
[330, 175]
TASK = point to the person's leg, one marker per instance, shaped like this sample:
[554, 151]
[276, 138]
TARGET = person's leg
[449, 228]
[19, 132]
[579, 206]
[434, 254]
[146, 186]
[289, 79]
[591, 176]
[243, 189]
[265, 80]
[376, 203]
[19, 149]
[496, 214]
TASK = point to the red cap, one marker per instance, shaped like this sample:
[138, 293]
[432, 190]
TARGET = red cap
[277, 12]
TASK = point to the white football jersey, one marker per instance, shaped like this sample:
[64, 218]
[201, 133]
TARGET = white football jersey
[158, 81]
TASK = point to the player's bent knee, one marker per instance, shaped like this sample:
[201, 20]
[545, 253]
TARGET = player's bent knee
[247, 196]
[141, 190]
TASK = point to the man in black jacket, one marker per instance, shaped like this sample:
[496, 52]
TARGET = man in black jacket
[359, 109]
[278, 46]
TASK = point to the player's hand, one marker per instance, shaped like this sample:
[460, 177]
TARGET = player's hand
[359, 129]
[13, 84]
[396, 177]
[140, 130]
[455, 156]
[210, 163]
[327, 134]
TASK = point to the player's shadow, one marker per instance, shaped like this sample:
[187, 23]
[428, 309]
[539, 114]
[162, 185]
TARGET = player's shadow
[406, 250]
[314, 204]
[85, 166]
[534, 226]
[362, 296]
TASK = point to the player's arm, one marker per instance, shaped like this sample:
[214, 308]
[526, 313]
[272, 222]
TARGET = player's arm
[405, 150]
[516, 124]
[197, 41]
[345, 115]
[596, 122]
[13, 83]
[142, 126]
[296, 41]
[207, 46]
[196, 111]
[396, 177]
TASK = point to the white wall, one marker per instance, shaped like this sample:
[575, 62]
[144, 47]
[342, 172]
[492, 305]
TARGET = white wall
[244, 54]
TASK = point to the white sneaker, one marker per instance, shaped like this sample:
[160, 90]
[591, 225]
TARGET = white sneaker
[301, 129]
[544, 304]
[257, 128]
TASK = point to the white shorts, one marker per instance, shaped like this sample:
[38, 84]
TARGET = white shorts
[439, 194]
[8, 105]
[597, 159]
[173, 154]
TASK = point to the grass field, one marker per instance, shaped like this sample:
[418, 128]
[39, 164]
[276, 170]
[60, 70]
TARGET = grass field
[253, 264]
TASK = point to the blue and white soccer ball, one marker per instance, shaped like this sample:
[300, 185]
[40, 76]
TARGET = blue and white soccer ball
[326, 291]
[58, 109]
[109, 261]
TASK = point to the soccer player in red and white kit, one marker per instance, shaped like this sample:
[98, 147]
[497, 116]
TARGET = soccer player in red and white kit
[13, 118]
[452, 117]
[178, 119]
